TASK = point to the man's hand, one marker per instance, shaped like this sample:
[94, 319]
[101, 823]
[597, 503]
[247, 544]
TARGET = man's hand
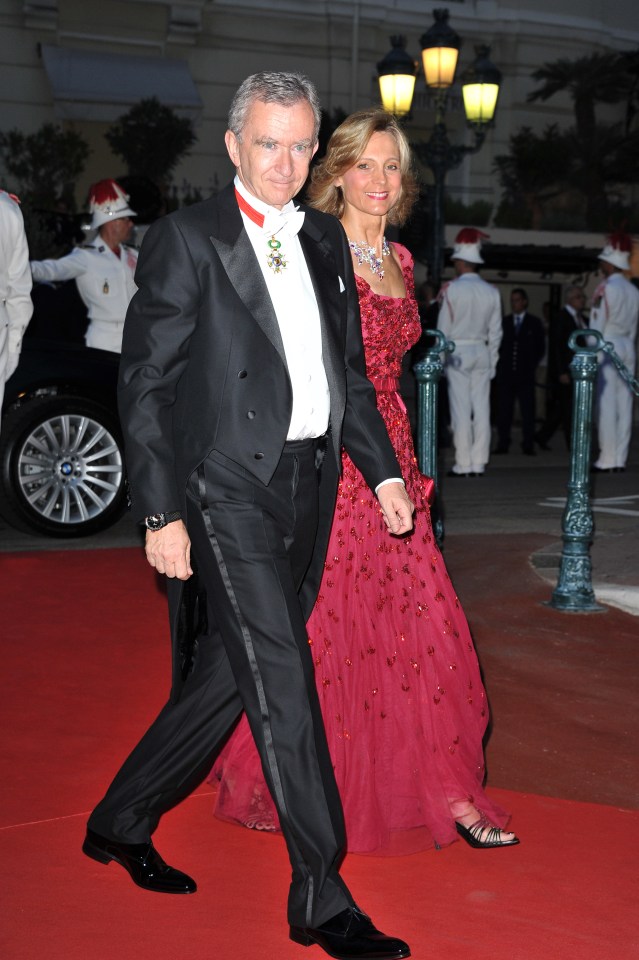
[169, 550]
[397, 508]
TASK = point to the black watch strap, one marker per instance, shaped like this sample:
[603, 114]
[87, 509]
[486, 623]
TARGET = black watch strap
[158, 520]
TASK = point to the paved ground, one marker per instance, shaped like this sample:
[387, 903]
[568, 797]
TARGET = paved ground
[518, 494]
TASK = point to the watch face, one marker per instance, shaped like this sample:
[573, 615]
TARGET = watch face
[155, 522]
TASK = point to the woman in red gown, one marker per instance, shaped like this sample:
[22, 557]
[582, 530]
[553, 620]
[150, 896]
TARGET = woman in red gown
[396, 671]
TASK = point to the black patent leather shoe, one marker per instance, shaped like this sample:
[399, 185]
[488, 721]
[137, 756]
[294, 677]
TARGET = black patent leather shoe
[351, 935]
[143, 863]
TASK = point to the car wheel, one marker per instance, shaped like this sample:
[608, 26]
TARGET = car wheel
[62, 466]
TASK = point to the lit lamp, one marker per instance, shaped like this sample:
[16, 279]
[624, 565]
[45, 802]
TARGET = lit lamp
[480, 88]
[440, 49]
[397, 72]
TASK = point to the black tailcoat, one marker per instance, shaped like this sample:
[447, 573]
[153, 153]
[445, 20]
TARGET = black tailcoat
[202, 348]
[205, 401]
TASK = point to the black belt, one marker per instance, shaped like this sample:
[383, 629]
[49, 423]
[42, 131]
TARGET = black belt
[309, 443]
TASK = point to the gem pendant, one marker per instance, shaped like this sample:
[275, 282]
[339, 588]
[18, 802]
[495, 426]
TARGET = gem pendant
[368, 255]
[275, 258]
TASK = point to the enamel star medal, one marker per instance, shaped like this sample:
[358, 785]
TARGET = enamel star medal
[275, 259]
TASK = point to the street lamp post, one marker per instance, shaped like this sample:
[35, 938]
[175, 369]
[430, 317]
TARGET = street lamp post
[480, 86]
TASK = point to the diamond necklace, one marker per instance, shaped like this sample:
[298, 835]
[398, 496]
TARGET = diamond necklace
[367, 254]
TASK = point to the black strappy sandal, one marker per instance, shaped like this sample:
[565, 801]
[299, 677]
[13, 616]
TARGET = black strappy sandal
[492, 837]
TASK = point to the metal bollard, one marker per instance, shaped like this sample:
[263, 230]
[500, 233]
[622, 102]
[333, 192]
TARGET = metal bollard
[574, 593]
[427, 374]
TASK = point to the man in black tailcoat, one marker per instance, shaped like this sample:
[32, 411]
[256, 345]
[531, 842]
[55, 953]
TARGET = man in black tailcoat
[242, 369]
[520, 350]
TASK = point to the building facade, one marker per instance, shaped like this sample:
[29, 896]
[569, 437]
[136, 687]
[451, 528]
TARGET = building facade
[83, 63]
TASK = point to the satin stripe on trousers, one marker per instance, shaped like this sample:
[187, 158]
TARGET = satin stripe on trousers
[252, 545]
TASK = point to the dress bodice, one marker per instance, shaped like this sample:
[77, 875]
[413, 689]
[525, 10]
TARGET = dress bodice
[390, 325]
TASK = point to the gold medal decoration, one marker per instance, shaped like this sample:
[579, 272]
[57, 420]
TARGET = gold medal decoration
[275, 259]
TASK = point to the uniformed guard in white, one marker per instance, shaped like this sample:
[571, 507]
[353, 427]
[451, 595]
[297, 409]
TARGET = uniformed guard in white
[614, 312]
[470, 315]
[16, 306]
[102, 269]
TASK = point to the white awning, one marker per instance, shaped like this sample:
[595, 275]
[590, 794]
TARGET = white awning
[102, 86]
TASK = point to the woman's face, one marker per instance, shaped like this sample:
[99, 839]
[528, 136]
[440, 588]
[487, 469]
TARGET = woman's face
[373, 184]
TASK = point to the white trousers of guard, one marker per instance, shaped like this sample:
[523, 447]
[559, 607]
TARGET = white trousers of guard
[614, 410]
[468, 372]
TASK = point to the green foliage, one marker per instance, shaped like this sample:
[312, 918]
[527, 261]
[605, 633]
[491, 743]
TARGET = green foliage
[183, 196]
[513, 216]
[478, 213]
[151, 140]
[537, 169]
[45, 164]
[577, 176]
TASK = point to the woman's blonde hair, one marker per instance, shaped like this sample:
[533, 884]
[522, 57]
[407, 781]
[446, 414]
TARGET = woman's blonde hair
[346, 145]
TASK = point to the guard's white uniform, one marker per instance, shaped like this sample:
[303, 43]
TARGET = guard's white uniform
[614, 313]
[470, 315]
[105, 283]
[16, 305]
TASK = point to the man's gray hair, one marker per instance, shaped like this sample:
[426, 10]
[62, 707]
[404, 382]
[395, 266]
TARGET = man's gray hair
[283, 88]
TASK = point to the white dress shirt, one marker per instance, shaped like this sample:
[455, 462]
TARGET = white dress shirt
[293, 297]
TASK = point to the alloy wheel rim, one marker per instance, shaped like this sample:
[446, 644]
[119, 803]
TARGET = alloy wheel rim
[70, 469]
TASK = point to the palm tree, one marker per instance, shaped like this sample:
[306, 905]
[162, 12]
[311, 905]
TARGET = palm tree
[532, 173]
[597, 78]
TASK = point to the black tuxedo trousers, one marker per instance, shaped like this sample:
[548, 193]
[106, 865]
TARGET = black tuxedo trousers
[252, 545]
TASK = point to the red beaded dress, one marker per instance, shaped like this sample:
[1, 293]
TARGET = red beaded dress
[397, 675]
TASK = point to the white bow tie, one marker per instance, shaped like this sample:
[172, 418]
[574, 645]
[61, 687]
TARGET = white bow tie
[286, 223]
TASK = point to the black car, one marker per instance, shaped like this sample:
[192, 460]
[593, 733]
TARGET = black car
[61, 451]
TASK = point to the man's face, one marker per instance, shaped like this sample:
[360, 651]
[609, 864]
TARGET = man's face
[460, 266]
[115, 232]
[123, 228]
[606, 268]
[276, 147]
[518, 303]
[577, 300]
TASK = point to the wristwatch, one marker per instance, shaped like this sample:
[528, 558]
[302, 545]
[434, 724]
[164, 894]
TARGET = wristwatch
[158, 520]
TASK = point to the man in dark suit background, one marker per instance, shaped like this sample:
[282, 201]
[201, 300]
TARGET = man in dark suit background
[559, 384]
[520, 350]
[242, 367]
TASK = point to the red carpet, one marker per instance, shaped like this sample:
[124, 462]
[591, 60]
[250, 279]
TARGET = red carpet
[86, 658]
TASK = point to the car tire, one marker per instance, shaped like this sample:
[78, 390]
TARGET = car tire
[61, 467]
